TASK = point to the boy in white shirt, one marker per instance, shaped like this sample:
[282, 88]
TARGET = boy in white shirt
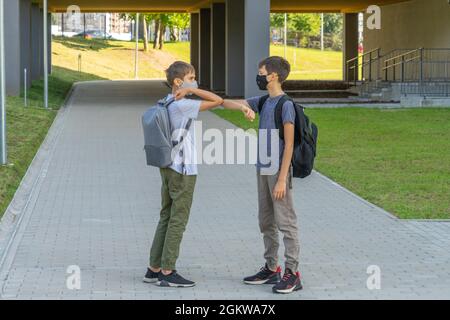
[178, 180]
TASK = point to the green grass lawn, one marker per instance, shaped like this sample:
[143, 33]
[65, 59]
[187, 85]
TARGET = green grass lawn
[28, 126]
[398, 159]
[114, 59]
[311, 64]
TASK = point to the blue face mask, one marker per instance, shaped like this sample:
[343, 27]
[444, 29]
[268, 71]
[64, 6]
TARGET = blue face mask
[191, 85]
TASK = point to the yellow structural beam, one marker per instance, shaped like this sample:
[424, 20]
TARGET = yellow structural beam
[194, 5]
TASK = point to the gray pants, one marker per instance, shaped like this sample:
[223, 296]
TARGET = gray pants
[277, 215]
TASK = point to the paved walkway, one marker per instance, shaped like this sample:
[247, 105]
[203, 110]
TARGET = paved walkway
[90, 200]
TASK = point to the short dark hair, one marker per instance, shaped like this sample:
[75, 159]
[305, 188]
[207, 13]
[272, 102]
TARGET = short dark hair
[178, 69]
[276, 64]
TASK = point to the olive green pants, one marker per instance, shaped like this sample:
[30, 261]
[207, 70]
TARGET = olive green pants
[177, 191]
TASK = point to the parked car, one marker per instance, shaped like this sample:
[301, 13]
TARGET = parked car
[276, 40]
[94, 34]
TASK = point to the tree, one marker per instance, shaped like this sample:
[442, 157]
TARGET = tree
[156, 35]
[164, 21]
[160, 21]
[143, 21]
[306, 26]
[177, 21]
[332, 23]
[277, 22]
[304, 23]
[145, 29]
[155, 18]
[174, 21]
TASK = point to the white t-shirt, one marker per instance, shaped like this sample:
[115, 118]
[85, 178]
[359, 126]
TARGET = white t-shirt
[180, 112]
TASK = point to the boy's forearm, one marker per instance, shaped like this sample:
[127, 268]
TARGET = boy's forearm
[286, 162]
[288, 129]
[234, 104]
[206, 95]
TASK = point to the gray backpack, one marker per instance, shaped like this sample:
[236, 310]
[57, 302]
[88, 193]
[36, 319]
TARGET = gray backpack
[158, 135]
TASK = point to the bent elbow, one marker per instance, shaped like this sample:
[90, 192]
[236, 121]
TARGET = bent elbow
[220, 102]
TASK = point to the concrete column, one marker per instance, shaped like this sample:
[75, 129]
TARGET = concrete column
[12, 47]
[25, 41]
[195, 45]
[257, 41]
[350, 45]
[235, 51]
[49, 51]
[18, 48]
[36, 42]
[205, 48]
[218, 46]
[41, 43]
[247, 43]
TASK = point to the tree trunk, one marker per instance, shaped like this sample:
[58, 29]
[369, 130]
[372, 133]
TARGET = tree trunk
[145, 31]
[161, 35]
[173, 34]
[157, 29]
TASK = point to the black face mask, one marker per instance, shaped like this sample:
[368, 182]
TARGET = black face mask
[262, 82]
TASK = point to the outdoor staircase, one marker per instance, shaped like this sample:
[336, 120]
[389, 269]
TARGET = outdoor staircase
[411, 75]
[377, 90]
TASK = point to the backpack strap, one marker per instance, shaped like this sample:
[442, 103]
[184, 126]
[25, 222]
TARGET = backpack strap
[180, 149]
[261, 102]
[303, 124]
[186, 128]
[279, 114]
[168, 102]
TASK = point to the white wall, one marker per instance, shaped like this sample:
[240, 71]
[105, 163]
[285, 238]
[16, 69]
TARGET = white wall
[411, 24]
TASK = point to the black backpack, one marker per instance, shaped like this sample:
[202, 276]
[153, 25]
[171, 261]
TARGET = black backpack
[305, 139]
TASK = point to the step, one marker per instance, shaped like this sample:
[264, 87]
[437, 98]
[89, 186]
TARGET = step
[319, 93]
[294, 85]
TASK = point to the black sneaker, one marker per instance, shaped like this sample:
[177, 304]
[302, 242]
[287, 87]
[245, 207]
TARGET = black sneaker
[150, 276]
[264, 276]
[173, 280]
[291, 282]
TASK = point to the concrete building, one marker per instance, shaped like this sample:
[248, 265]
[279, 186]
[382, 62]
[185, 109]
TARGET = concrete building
[111, 22]
[117, 24]
[229, 37]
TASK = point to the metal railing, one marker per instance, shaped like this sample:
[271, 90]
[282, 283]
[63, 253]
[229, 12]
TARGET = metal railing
[425, 88]
[436, 64]
[400, 61]
[422, 71]
[422, 64]
[376, 62]
[367, 60]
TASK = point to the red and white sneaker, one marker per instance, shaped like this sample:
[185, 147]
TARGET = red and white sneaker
[289, 283]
